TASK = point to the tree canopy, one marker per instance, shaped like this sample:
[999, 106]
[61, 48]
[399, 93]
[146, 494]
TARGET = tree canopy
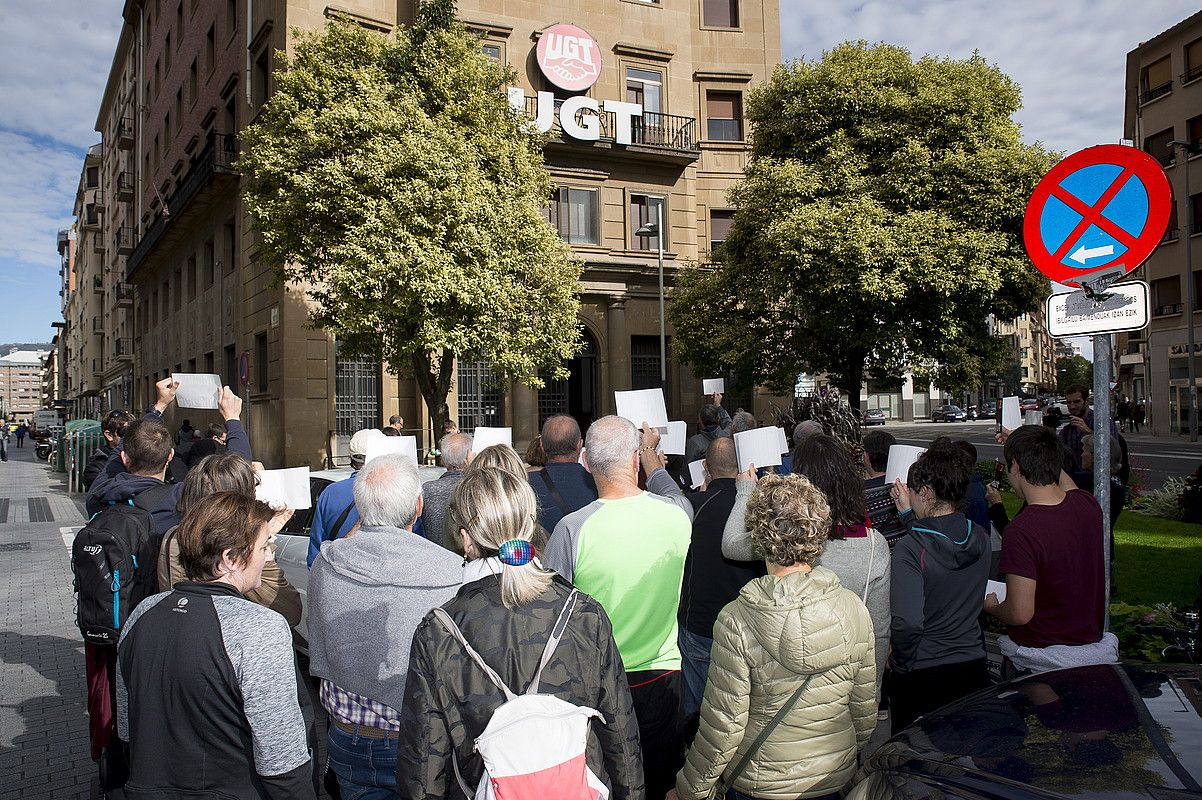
[1073, 371]
[878, 227]
[391, 177]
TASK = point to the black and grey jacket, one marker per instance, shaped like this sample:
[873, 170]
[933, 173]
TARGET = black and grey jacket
[210, 700]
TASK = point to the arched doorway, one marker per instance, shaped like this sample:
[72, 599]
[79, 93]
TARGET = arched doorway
[577, 395]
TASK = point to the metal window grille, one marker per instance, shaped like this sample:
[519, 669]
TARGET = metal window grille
[552, 398]
[644, 362]
[479, 397]
[357, 393]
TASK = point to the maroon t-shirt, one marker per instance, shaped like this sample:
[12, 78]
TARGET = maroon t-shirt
[1060, 548]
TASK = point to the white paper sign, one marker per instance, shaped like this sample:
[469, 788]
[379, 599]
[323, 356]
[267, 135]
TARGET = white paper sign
[1012, 416]
[197, 390]
[486, 437]
[285, 487]
[580, 458]
[697, 473]
[643, 404]
[672, 443]
[383, 445]
[760, 447]
[901, 457]
[784, 440]
[1032, 418]
[996, 587]
[713, 386]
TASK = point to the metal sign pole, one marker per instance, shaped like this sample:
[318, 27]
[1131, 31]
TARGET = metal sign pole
[1101, 453]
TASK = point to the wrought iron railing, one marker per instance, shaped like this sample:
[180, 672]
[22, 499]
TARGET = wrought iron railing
[1156, 91]
[666, 131]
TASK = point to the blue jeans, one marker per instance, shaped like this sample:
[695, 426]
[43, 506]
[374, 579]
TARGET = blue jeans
[366, 768]
[694, 668]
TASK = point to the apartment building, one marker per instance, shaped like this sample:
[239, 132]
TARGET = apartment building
[83, 291]
[1163, 116]
[21, 383]
[176, 270]
[1032, 370]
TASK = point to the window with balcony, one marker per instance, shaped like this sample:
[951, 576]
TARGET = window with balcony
[720, 13]
[1195, 213]
[1157, 146]
[1166, 296]
[645, 87]
[573, 212]
[1156, 80]
[1193, 61]
[1173, 231]
[644, 209]
[724, 116]
[720, 221]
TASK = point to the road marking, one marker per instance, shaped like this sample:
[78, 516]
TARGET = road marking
[68, 535]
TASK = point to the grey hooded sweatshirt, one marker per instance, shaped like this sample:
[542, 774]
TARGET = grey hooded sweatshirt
[938, 584]
[367, 595]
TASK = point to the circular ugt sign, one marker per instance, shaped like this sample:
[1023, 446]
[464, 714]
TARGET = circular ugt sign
[569, 57]
[1101, 208]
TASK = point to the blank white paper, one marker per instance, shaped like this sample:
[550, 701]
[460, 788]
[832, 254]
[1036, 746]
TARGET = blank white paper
[1012, 416]
[196, 390]
[643, 404]
[672, 443]
[486, 437]
[697, 473]
[996, 587]
[901, 457]
[784, 440]
[760, 447]
[713, 386]
[1032, 418]
[285, 487]
[383, 445]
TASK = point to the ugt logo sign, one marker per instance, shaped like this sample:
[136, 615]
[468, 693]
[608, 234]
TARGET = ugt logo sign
[569, 57]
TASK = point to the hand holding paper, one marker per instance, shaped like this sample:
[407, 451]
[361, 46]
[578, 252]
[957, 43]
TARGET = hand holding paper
[996, 588]
[901, 457]
[760, 447]
[196, 390]
[713, 386]
[285, 488]
[643, 405]
[1012, 416]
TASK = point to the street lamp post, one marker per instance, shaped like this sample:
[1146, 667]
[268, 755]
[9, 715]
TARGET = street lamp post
[1190, 300]
[646, 231]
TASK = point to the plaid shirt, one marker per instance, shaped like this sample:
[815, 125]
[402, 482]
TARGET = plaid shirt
[355, 709]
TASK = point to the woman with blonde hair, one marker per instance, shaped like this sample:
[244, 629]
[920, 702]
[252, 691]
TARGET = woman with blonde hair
[791, 695]
[506, 612]
[506, 459]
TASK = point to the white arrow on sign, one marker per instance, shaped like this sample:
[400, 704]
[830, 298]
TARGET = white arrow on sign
[1083, 253]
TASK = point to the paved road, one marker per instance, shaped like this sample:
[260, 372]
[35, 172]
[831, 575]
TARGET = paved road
[1159, 457]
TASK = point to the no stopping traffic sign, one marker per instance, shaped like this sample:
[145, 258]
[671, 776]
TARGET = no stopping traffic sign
[1100, 209]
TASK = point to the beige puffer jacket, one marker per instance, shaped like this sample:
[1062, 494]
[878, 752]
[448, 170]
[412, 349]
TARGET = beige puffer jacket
[779, 631]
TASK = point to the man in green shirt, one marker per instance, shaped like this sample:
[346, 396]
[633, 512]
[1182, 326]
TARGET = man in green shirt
[627, 550]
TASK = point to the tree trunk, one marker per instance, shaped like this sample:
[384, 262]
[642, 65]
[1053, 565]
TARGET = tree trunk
[434, 384]
[853, 376]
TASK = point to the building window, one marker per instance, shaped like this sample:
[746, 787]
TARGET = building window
[645, 87]
[724, 116]
[356, 393]
[644, 362]
[191, 277]
[262, 80]
[192, 73]
[178, 284]
[573, 212]
[644, 210]
[208, 264]
[1193, 61]
[1166, 294]
[1157, 146]
[210, 49]
[1195, 213]
[720, 13]
[231, 16]
[261, 361]
[231, 366]
[720, 222]
[492, 51]
[92, 179]
[1194, 127]
[479, 396]
[209, 366]
[1156, 80]
[179, 23]
[179, 110]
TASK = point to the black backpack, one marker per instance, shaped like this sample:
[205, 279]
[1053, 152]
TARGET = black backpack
[114, 559]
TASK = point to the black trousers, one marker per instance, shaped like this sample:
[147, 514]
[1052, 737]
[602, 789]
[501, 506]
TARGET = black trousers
[656, 698]
[912, 694]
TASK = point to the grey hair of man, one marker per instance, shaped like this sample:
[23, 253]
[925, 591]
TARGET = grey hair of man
[387, 491]
[806, 428]
[455, 447]
[561, 436]
[610, 445]
[742, 421]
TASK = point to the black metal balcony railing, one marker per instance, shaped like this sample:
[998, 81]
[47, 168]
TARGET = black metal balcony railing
[125, 133]
[217, 158]
[125, 186]
[666, 131]
[1172, 235]
[1156, 91]
[123, 348]
[1192, 74]
[98, 284]
[1195, 228]
[97, 325]
[124, 293]
[1164, 311]
[125, 240]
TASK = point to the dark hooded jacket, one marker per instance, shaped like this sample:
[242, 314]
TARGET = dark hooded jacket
[449, 699]
[938, 585]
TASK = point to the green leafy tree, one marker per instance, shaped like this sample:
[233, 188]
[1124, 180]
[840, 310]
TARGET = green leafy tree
[391, 179]
[1073, 371]
[878, 226]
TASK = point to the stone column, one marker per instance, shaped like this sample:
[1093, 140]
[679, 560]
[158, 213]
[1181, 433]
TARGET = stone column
[617, 352]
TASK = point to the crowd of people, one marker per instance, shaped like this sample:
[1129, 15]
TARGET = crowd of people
[743, 639]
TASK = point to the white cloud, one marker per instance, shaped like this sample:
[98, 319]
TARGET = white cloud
[37, 192]
[1069, 57]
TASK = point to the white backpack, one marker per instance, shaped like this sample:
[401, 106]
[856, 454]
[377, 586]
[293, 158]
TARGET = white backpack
[534, 744]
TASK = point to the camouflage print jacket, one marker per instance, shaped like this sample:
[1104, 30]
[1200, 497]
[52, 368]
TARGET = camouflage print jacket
[449, 700]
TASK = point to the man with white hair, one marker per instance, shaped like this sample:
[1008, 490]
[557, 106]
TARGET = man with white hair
[367, 595]
[627, 550]
[456, 449]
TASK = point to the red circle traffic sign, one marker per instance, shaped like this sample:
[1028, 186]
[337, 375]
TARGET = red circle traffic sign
[1100, 209]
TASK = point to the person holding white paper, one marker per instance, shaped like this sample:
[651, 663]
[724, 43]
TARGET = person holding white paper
[939, 575]
[714, 422]
[336, 515]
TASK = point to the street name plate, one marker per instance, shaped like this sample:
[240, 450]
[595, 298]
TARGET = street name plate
[1124, 309]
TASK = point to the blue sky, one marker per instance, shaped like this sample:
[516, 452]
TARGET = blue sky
[1068, 56]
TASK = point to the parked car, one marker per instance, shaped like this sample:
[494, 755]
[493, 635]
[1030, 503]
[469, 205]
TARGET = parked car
[292, 543]
[949, 414]
[1029, 405]
[875, 416]
[988, 409]
[1106, 731]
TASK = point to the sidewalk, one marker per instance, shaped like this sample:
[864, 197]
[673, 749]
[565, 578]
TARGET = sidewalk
[43, 721]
